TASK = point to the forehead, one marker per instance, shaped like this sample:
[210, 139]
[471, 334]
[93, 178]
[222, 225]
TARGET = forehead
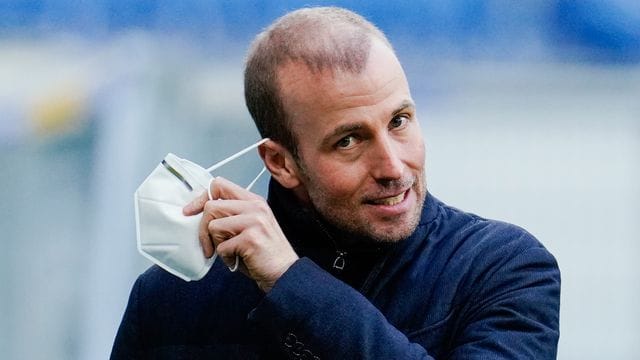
[310, 97]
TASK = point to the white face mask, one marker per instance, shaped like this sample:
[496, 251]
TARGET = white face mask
[165, 236]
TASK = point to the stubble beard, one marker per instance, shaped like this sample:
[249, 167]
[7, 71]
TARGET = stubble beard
[358, 227]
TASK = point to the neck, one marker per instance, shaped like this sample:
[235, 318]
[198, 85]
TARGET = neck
[305, 227]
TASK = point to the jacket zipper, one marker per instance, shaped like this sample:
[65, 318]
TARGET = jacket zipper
[373, 275]
[340, 260]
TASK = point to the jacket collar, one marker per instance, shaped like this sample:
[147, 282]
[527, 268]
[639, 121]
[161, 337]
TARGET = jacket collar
[306, 229]
[313, 237]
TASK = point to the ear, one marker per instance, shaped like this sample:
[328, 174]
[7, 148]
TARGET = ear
[280, 163]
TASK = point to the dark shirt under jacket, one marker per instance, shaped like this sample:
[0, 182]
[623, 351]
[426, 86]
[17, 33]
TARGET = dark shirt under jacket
[460, 287]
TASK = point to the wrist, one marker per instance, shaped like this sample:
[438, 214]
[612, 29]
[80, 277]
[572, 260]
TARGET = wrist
[267, 284]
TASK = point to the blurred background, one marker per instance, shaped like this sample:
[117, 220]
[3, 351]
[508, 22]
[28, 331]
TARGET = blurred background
[530, 110]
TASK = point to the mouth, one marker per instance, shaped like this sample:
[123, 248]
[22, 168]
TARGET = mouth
[389, 201]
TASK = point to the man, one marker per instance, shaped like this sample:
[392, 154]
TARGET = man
[350, 257]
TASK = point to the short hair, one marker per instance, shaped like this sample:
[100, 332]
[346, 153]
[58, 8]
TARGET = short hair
[322, 38]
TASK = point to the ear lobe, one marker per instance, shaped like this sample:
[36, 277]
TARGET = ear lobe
[280, 164]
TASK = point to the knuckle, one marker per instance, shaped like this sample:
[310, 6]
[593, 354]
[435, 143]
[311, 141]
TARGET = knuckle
[260, 205]
[223, 251]
[217, 238]
[221, 236]
[263, 223]
[263, 212]
[251, 238]
[209, 206]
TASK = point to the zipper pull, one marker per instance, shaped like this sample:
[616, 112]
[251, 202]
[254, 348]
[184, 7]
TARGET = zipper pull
[339, 262]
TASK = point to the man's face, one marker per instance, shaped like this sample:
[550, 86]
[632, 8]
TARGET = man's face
[360, 145]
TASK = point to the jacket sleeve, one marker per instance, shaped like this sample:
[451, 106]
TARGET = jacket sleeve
[512, 315]
[127, 341]
[313, 315]
[514, 311]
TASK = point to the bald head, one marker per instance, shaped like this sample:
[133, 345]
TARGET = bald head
[323, 38]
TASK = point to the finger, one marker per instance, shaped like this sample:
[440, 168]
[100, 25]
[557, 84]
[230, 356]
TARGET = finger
[228, 251]
[196, 205]
[234, 263]
[223, 229]
[210, 235]
[207, 245]
[224, 208]
[231, 230]
[222, 188]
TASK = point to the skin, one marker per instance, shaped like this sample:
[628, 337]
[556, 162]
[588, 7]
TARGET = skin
[361, 148]
[361, 165]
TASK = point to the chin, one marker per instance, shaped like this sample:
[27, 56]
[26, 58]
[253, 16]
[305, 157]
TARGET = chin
[400, 229]
[392, 236]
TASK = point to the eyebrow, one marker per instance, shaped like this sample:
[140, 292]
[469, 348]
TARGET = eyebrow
[347, 128]
[342, 129]
[406, 104]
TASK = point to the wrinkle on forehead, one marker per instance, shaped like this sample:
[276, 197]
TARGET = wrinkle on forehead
[375, 93]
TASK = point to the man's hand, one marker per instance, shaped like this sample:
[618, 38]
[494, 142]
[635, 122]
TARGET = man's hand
[240, 223]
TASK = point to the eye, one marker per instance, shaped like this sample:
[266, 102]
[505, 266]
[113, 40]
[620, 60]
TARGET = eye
[398, 121]
[346, 142]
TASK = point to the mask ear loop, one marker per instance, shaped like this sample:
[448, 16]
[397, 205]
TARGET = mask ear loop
[234, 268]
[253, 182]
[236, 155]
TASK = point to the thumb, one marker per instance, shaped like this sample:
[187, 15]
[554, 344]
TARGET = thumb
[196, 205]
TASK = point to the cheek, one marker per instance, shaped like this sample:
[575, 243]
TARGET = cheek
[416, 152]
[336, 183]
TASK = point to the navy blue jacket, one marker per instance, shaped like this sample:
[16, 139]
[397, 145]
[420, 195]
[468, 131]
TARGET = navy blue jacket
[460, 287]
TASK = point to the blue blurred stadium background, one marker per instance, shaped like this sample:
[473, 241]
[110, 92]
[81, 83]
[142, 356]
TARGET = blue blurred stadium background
[530, 109]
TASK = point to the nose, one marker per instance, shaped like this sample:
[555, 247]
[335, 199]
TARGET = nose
[386, 164]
